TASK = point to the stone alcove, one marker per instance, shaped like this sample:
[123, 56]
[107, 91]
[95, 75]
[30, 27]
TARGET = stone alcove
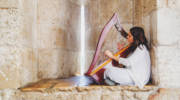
[39, 40]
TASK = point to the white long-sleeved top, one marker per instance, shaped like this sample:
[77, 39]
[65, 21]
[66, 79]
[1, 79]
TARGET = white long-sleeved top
[138, 65]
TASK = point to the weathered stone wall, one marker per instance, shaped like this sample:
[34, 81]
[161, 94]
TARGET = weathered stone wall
[16, 65]
[58, 38]
[168, 37]
[41, 38]
[161, 19]
[59, 33]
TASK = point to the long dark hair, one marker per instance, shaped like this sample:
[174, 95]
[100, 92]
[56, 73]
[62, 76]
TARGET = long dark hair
[138, 37]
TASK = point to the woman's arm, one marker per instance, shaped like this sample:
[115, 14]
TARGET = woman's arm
[123, 61]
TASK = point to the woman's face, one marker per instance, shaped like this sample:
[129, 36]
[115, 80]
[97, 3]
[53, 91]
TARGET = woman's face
[130, 37]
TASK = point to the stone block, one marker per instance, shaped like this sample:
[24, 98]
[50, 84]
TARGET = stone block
[112, 96]
[18, 67]
[149, 6]
[9, 3]
[162, 3]
[28, 66]
[174, 4]
[72, 63]
[29, 24]
[50, 63]
[84, 93]
[92, 96]
[166, 94]
[89, 57]
[137, 12]
[9, 67]
[168, 62]
[128, 95]
[168, 23]
[154, 67]
[59, 26]
[10, 27]
[52, 36]
[123, 8]
[153, 28]
[57, 12]
[55, 63]
[46, 36]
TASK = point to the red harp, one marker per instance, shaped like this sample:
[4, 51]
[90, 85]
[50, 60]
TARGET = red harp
[98, 72]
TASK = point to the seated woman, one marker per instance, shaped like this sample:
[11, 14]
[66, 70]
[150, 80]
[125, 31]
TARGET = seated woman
[137, 64]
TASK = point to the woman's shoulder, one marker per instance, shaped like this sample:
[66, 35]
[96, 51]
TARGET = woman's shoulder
[141, 48]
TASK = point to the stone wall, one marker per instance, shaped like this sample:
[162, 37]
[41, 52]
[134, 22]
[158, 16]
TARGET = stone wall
[16, 64]
[168, 18]
[41, 38]
[59, 37]
[161, 19]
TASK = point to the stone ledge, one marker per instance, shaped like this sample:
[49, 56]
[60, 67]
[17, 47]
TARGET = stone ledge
[96, 93]
[53, 85]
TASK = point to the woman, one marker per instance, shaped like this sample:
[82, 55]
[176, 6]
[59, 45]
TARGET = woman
[137, 64]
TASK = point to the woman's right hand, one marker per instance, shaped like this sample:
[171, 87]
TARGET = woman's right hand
[120, 46]
[110, 55]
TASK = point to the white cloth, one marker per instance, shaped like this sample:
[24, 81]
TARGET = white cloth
[138, 68]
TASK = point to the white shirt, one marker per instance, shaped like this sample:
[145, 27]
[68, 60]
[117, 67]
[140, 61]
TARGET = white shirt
[138, 65]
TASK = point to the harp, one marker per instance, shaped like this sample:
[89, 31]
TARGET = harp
[97, 72]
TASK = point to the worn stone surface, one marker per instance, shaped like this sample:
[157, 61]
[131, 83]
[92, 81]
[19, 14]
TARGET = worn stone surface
[149, 6]
[166, 42]
[168, 23]
[166, 94]
[138, 12]
[10, 27]
[55, 30]
[9, 3]
[64, 89]
[27, 69]
[81, 93]
[50, 63]
[168, 4]
[161, 21]
[168, 65]
[18, 58]
[54, 27]
[10, 42]
[48, 92]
